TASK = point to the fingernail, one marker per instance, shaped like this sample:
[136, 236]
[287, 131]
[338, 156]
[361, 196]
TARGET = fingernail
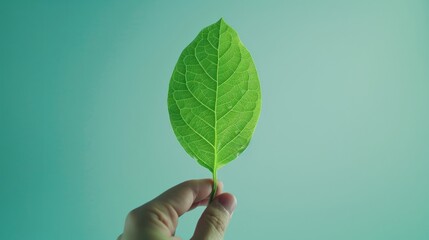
[228, 201]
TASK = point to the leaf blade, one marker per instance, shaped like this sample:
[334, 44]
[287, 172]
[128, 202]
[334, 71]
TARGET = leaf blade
[214, 98]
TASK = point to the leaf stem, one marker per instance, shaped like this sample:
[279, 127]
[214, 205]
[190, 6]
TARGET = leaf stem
[214, 188]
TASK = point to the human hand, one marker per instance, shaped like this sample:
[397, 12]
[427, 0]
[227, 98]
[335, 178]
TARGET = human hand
[158, 218]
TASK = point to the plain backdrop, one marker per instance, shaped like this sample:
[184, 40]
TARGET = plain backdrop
[341, 150]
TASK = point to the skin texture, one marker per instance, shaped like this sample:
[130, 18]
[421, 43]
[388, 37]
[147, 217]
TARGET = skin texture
[158, 218]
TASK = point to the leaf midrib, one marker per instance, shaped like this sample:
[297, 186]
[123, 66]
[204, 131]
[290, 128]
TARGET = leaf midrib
[215, 106]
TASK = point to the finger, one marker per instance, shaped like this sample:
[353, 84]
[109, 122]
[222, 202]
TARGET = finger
[169, 206]
[215, 218]
[182, 196]
[205, 201]
[160, 216]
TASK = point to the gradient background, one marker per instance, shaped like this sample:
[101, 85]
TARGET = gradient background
[341, 150]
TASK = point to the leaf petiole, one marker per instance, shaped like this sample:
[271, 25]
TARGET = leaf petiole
[214, 188]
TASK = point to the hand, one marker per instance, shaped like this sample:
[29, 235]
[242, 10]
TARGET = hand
[158, 218]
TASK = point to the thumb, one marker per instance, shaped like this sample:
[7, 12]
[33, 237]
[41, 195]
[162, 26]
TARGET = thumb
[215, 218]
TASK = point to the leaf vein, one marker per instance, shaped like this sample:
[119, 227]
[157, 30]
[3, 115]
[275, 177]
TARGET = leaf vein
[189, 125]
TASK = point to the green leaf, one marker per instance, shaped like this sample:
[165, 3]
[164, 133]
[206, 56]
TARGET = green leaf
[214, 97]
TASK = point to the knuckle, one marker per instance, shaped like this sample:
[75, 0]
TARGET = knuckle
[153, 214]
[136, 215]
[216, 222]
[132, 219]
[133, 215]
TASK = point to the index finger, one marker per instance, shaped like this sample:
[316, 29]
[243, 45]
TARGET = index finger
[184, 196]
[160, 216]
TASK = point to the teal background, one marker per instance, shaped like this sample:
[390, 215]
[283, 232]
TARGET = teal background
[341, 150]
